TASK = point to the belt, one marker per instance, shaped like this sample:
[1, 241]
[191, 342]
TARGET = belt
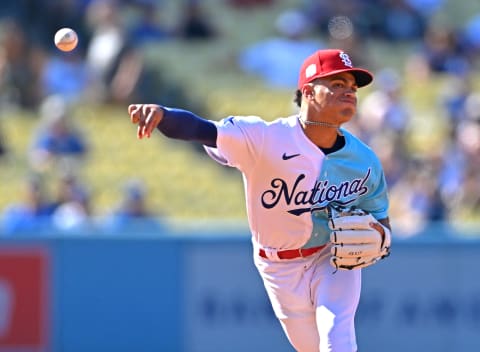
[293, 253]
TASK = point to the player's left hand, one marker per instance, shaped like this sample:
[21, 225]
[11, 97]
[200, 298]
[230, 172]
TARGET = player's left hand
[146, 116]
[358, 241]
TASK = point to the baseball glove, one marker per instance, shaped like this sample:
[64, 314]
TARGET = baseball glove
[355, 243]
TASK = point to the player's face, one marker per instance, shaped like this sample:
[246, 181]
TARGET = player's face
[336, 96]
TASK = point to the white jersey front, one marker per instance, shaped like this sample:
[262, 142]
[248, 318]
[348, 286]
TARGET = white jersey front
[289, 181]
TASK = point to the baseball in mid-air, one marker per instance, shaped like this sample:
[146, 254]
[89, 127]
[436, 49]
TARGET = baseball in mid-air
[66, 39]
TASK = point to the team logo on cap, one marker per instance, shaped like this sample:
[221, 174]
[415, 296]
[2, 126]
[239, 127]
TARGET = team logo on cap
[345, 59]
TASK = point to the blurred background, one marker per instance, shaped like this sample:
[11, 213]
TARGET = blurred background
[95, 220]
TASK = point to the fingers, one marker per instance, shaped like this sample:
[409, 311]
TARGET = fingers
[132, 107]
[151, 122]
[141, 121]
[146, 116]
[134, 112]
[145, 121]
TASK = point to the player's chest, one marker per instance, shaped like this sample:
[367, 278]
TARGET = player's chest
[295, 177]
[296, 164]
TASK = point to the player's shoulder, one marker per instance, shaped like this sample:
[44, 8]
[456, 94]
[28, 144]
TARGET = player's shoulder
[241, 120]
[362, 148]
[244, 120]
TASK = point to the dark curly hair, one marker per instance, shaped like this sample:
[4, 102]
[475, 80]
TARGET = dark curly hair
[298, 97]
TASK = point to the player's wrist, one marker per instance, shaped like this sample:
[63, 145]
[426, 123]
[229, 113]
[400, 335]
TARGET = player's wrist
[161, 113]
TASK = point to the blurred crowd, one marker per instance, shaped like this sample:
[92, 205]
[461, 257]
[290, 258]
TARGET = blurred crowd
[106, 66]
[442, 183]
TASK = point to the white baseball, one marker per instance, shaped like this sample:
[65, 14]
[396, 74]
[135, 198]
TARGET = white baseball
[66, 39]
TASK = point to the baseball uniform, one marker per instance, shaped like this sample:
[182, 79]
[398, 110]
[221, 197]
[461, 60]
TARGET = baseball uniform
[289, 185]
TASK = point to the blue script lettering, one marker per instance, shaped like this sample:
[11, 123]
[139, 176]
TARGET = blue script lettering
[321, 193]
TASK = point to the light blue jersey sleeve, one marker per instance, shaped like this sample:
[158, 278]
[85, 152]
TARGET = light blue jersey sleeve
[376, 202]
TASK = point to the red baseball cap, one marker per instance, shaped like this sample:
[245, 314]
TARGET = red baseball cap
[329, 62]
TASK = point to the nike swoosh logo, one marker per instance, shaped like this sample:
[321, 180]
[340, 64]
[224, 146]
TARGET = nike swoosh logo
[286, 157]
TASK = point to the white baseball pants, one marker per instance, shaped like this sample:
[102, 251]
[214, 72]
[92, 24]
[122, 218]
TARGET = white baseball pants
[315, 305]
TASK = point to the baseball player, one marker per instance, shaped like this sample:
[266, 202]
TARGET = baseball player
[316, 197]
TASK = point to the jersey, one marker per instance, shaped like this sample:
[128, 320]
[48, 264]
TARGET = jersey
[290, 183]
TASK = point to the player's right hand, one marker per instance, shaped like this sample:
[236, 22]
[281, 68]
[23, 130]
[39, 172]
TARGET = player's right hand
[146, 116]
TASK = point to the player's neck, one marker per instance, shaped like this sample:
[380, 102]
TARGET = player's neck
[322, 134]
[324, 139]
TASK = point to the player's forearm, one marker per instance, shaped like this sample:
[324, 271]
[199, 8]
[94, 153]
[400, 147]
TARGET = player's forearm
[185, 125]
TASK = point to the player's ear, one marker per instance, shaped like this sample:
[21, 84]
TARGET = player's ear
[308, 91]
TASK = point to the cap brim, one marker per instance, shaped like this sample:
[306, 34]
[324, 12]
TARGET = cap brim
[362, 77]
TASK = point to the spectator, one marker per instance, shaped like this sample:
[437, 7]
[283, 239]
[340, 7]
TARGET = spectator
[195, 23]
[455, 97]
[393, 154]
[32, 214]
[58, 14]
[111, 55]
[440, 52]
[3, 144]
[19, 68]
[148, 28]
[459, 169]
[402, 22]
[469, 206]
[384, 109]
[471, 33]
[58, 144]
[66, 75]
[132, 214]
[277, 60]
[427, 8]
[342, 34]
[416, 199]
[72, 205]
[366, 16]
